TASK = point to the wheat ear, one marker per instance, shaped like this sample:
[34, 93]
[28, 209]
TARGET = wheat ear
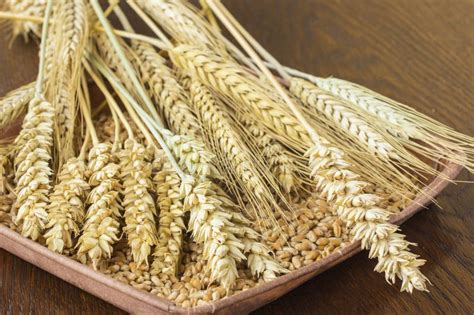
[281, 163]
[231, 81]
[408, 125]
[14, 104]
[168, 93]
[182, 22]
[259, 257]
[101, 229]
[235, 156]
[35, 8]
[211, 226]
[33, 173]
[167, 254]
[71, 34]
[344, 188]
[162, 86]
[66, 207]
[140, 225]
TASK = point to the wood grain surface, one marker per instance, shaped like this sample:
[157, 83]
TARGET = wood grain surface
[420, 52]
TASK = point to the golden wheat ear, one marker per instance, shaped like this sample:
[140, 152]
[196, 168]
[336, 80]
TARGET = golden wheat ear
[416, 131]
[14, 104]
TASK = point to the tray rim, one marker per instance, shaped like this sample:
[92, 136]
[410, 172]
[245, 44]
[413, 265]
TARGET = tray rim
[136, 301]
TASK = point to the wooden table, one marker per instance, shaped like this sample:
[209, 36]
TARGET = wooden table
[419, 52]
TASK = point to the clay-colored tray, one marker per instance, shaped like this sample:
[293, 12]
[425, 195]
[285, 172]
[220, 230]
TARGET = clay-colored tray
[140, 302]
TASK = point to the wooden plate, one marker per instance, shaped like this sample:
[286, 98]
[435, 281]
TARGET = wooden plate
[139, 302]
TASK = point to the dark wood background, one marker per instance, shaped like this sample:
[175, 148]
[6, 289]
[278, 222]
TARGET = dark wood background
[420, 52]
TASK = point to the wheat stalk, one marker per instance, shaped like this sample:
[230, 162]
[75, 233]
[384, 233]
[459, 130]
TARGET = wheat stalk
[169, 95]
[280, 163]
[13, 105]
[235, 155]
[101, 228]
[167, 253]
[140, 225]
[66, 208]
[231, 81]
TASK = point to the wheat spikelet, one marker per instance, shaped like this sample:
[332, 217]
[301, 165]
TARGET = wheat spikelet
[13, 105]
[405, 123]
[211, 226]
[101, 229]
[167, 253]
[236, 156]
[140, 225]
[35, 8]
[6, 203]
[32, 168]
[231, 81]
[183, 23]
[169, 95]
[66, 209]
[280, 163]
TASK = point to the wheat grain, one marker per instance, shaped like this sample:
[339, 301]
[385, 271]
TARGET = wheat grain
[6, 203]
[101, 227]
[66, 208]
[236, 156]
[14, 104]
[32, 168]
[167, 253]
[231, 81]
[169, 95]
[140, 225]
[280, 163]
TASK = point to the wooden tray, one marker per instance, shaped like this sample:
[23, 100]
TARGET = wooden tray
[139, 302]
